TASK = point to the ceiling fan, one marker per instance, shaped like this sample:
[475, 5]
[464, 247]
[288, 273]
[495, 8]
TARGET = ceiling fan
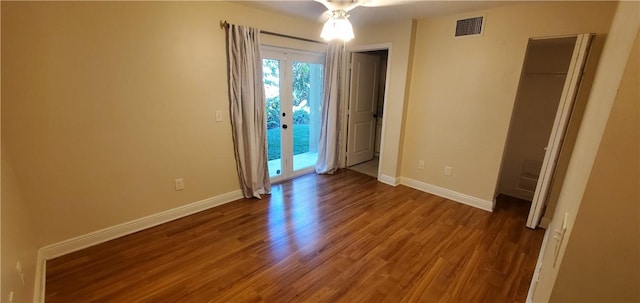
[338, 25]
[347, 5]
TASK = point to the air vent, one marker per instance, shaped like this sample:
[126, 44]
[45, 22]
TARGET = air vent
[469, 26]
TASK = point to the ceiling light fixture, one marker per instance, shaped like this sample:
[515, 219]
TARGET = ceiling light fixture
[337, 27]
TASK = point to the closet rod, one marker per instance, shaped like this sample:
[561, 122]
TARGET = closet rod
[225, 25]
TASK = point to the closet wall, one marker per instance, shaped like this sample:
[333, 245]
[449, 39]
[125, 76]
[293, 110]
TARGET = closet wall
[381, 89]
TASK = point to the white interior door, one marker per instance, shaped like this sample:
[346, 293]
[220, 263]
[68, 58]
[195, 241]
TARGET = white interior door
[363, 93]
[569, 92]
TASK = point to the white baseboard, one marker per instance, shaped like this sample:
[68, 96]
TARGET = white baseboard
[117, 231]
[449, 194]
[40, 279]
[538, 268]
[388, 180]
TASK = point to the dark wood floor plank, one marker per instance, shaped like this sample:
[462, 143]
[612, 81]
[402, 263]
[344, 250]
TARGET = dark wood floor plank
[336, 238]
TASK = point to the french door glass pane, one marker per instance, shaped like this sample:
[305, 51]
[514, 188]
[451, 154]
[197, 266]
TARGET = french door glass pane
[307, 98]
[271, 73]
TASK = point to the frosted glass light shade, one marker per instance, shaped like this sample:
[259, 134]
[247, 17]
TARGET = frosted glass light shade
[337, 28]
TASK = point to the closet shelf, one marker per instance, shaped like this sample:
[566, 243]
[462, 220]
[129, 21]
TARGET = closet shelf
[529, 176]
[555, 74]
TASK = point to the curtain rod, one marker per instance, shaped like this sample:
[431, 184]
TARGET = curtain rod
[225, 25]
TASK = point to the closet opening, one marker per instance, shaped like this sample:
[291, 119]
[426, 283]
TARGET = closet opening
[543, 107]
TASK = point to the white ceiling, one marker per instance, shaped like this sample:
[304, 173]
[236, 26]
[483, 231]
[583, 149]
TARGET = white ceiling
[361, 16]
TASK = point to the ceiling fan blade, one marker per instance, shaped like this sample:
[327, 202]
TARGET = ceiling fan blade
[345, 5]
[379, 3]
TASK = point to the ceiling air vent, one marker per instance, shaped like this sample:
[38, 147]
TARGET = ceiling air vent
[469, 26]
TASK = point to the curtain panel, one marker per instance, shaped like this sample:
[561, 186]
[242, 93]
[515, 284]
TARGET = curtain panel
[247, 108]
[328, 148]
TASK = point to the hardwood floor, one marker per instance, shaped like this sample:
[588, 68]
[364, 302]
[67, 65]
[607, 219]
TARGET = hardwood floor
[339, 238]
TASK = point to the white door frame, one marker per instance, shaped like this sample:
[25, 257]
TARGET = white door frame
[345, 97]
[558, 132]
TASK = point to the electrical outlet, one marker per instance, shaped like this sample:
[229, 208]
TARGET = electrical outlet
[448, 170]
[179, 184]
[421, 164]
[218, 115]
[11, 296]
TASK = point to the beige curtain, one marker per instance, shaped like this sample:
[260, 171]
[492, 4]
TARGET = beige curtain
[328, 149]
[247, 102]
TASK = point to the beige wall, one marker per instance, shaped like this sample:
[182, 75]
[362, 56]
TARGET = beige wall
[606, 82]
[610, 211]
[463, 89]
[539, 91]
[398, 37]
[105, 104]
[18, 238]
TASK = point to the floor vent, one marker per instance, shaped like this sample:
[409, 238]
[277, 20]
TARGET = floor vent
[469, 26]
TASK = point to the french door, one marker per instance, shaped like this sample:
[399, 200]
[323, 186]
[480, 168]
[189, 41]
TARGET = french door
[293, 88]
